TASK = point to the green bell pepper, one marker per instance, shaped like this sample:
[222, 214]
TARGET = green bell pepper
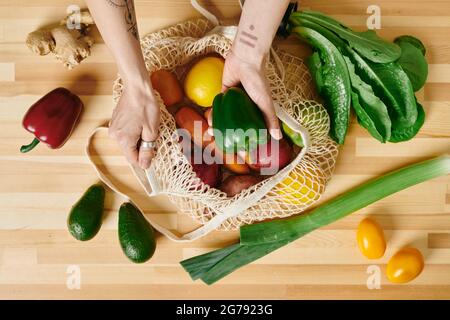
[238, 123]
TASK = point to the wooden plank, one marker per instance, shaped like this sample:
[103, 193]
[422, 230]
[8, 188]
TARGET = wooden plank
[38, 189]
[7, 71]
[439, 240]
[225, 291]
[126, 273]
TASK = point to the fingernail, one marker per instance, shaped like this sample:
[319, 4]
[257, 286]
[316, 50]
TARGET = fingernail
[276, 134]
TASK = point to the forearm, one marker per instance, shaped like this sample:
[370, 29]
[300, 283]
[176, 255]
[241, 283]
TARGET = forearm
[116, 22]
[257, 28]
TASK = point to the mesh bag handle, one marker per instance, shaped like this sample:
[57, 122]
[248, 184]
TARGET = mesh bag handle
[150, 185]
[143, 177]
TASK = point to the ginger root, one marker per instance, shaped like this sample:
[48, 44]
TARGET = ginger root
[70, 46]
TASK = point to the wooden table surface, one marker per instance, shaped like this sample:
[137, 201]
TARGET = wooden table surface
[38, 256]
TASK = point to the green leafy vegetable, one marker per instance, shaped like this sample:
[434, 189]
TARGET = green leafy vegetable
[334, 82]
[315, 67]
[260, 239]
[413, 63]
[412, 40]
[400, 134]
[388, 81]
[367, 43]
[371, 111]
[392, 84]
[365, 120]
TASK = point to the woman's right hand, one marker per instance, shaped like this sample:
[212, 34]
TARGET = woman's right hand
[136, 117]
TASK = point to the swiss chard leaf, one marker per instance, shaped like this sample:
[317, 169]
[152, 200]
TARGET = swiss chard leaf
[371, 111]
[414, 64]
[366, 43]
[335, 81]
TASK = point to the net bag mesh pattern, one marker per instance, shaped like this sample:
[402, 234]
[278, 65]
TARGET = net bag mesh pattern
[288, 192]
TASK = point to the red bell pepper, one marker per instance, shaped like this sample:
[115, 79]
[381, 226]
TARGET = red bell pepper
[52, 118]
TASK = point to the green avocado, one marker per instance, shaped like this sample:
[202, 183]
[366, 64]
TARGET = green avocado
[85, 218]
[136, 235]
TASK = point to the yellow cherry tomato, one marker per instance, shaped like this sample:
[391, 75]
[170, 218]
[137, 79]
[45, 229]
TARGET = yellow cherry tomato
[405, 265]
[370, 238]
[204, 81]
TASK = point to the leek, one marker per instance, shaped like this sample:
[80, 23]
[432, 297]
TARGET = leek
[234, 257]
[343, 205]
[201, 264]
[260, 239]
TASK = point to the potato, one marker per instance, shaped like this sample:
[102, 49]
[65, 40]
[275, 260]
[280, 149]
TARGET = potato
[210, 174]
[235, 184]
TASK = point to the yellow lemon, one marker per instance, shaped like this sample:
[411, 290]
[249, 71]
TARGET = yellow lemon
[301, 186]
[204, 81]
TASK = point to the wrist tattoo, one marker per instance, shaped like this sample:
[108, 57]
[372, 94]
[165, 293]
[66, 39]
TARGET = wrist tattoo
[130, 14]
[248, 38]
[116, 3]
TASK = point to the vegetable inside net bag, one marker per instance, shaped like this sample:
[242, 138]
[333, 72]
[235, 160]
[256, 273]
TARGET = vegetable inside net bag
[291, 191]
